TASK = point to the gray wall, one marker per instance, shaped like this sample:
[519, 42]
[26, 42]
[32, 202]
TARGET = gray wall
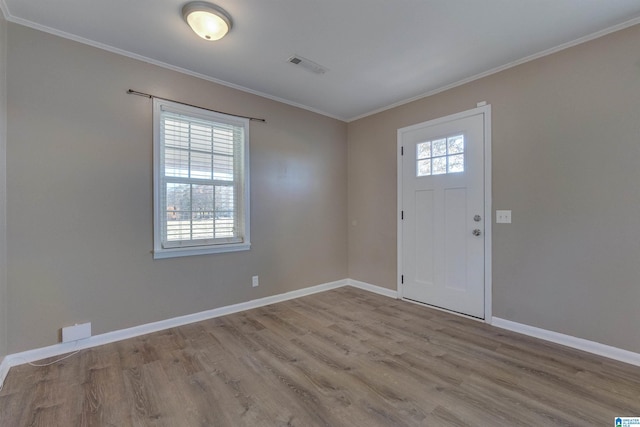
[3, 188]
[79, 195]
[79, 183]
[566, 156]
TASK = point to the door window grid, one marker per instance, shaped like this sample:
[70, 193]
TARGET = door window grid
[440, 156]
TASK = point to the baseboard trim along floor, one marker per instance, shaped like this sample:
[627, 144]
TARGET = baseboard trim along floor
[372, 288]
[570, 341]
[123, 334]
[109, 337]
[4, 370]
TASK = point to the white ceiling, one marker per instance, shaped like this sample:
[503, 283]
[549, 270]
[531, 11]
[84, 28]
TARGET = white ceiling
[379, 52]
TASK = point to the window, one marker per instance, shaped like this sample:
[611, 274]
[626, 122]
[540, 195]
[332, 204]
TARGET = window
[201, 181]
[440, 156]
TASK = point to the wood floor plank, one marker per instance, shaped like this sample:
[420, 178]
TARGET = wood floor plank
[344, 357]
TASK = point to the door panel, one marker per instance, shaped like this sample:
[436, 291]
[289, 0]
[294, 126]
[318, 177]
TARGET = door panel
[442, 260]
[424, 238]
[455, 260]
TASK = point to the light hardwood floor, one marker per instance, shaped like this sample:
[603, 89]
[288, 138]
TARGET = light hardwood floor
[344, 357]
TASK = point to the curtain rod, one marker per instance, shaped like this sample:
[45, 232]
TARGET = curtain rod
[147, 95]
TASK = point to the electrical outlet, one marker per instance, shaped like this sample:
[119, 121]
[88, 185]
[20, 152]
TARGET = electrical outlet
[255, 281]
[503, 217]
[76, 332]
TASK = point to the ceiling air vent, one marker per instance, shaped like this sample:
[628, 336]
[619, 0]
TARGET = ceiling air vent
[307, 64]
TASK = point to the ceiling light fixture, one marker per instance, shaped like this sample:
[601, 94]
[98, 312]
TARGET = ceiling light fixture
[207, 20]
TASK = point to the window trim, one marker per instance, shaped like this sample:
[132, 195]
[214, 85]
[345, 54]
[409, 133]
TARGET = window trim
[160, 252]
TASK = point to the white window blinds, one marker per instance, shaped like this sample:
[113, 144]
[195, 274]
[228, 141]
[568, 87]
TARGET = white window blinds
[201, 180]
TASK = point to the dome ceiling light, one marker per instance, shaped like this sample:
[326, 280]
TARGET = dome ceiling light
[207, 20]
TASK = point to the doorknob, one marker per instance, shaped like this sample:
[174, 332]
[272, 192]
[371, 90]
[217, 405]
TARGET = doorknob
[476, 232]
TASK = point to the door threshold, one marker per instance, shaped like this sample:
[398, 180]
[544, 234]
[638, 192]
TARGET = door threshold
[435, 307]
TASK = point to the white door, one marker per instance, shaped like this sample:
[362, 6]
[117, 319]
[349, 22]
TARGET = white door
[441, 256]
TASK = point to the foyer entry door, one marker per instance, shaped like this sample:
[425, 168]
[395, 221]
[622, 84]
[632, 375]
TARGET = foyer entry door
[442, 220]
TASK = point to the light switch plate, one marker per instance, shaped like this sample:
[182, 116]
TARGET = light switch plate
[503, 217]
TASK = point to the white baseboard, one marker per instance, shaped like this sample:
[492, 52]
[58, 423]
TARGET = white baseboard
[570, 341]
[109, 337]
[373, 288]
[122, 334]
[4, 370]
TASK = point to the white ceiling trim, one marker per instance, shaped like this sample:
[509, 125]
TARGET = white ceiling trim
[512, 64]
[132, 55]
[9, 17]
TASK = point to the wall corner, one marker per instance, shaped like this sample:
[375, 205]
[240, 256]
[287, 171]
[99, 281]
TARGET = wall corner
[3, 187]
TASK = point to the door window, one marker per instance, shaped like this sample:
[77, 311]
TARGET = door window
[440, 156]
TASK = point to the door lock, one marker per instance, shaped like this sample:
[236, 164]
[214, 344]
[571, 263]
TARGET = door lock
[477, 218]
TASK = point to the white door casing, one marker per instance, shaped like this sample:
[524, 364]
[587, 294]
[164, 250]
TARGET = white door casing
[444, 217]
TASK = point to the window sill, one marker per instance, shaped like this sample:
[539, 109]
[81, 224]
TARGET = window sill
[192, 251]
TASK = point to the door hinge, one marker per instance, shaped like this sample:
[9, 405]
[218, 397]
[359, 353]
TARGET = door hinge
[402, 278]
[401, 214]
[402, 151]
